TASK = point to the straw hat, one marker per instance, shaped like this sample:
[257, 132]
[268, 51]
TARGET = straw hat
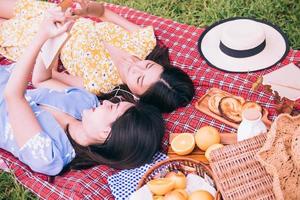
[243, 45]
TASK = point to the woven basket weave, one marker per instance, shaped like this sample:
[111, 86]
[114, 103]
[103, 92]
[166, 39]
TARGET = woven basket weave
[185, 165]
[238, 175]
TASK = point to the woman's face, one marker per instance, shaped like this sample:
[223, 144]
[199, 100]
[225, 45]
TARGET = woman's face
[97, 121]
[137, 74]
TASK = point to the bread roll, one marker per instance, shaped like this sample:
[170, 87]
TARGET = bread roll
[231, 109]
[213, 102]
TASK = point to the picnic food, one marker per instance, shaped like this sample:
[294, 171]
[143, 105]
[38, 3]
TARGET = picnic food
[231, 109]
[178, 178]
[155, 197]
[230, 106]
[212, 147]
[213, 102]
[183, 143]
[198, 175]
[201, 195]
[160, 186]
[204, 106]
[279, 156]
[173, 187]
[176, 195]
[183, 193]
[207, 136]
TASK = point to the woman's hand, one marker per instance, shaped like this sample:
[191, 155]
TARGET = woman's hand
[83, 11]
[89, 8]
[54, 23]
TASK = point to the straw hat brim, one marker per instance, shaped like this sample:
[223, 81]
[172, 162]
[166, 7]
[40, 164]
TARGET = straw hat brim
[275, 50]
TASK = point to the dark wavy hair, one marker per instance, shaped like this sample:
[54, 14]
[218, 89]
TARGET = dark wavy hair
[174, 89]
[134, 138]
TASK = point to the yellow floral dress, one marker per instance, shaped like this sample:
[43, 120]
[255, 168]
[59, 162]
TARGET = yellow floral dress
[83, 54]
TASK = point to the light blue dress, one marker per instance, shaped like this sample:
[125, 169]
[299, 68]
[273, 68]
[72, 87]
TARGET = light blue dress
[49, 150]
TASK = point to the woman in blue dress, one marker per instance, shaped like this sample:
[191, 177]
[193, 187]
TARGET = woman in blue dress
[57, 125]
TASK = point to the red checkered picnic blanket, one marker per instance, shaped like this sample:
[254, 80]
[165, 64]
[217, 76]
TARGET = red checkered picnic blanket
[182, 40]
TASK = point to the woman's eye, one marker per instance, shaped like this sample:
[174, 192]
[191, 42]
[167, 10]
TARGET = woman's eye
[138, 80]
[149, 65]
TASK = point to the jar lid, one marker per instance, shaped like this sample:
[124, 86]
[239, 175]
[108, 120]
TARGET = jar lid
[251, 114]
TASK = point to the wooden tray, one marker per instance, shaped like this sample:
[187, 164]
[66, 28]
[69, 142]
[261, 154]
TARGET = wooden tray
[202, 105]
[197, 154]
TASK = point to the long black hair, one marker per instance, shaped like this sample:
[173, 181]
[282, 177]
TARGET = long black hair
[134, 138]
[174, 89]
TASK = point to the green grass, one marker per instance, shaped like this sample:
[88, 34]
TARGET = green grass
[201, 13]
[11, 190]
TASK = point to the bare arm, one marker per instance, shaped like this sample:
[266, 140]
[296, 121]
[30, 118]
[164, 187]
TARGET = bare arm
[110, 16]
[7, 8]
[50, 78]
[17, 84]
[96, 9]
[14, 96]
[68, 79]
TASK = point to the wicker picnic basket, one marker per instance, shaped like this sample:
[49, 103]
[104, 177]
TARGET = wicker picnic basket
[185, 165]
[237, 173]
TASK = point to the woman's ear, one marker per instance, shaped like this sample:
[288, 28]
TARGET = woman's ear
[107, 131]
[104, 135]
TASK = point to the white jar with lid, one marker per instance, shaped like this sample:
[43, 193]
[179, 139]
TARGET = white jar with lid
[251, 124]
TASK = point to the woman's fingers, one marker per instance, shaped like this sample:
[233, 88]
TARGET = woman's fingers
[79, 12]
[64, 28]
[55, 23]
[82, 2]
[68, 12]
[56, 15]
[83, 7]
[62, 17]
[54, 11]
